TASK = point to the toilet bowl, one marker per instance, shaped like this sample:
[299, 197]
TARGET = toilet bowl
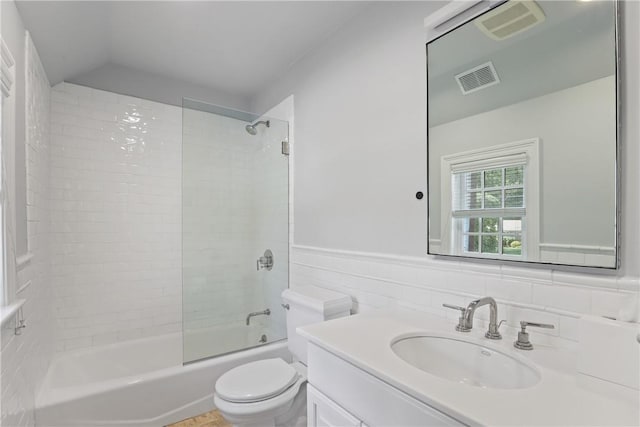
[266, 392]
[272, 392]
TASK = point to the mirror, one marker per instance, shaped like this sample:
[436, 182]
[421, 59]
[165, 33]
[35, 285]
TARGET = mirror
[522, 135]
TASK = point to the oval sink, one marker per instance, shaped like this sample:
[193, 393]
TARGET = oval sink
[465, 362]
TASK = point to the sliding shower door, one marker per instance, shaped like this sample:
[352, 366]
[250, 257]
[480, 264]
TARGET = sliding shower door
[235, 230]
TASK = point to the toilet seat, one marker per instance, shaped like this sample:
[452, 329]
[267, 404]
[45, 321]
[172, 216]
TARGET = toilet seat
[268, 408]
[256, 381]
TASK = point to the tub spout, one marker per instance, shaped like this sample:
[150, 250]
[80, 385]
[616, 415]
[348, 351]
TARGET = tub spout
[266, 312]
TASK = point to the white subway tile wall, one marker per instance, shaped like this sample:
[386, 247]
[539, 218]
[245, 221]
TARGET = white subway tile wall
[235, 207]
[219, 272]
[115, 208]
[25, 357]
[381, 281]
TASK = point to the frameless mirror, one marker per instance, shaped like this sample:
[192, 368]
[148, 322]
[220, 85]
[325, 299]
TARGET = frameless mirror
[522, 135]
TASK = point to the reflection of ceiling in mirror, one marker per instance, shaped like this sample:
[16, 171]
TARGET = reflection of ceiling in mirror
[574, 45]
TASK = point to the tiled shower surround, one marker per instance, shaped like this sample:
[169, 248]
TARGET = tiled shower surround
[120, 218]
[115, 217]
[219, 270]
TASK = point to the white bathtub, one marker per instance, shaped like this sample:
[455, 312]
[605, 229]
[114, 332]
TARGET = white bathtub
[135, 383]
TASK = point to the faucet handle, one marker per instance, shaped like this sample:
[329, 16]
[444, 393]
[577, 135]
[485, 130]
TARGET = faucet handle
[524, 324]
[454, 307]
[523, 342]
[461, 326]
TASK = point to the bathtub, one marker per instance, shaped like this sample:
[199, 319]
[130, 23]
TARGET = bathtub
[136, 383]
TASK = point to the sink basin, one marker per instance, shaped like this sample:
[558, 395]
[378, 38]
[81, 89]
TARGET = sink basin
[465, 362]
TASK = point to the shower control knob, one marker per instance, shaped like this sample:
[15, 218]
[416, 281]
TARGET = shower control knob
[419, 195]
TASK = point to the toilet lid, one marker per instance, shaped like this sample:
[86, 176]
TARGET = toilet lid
[256, 381]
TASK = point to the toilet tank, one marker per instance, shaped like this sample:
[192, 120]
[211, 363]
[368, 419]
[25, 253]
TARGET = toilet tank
[307, 305]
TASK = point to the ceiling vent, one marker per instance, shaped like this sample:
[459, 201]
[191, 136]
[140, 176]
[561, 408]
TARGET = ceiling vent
[510, 19]
[477, 78]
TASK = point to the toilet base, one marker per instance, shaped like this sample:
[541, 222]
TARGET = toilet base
[294, 414]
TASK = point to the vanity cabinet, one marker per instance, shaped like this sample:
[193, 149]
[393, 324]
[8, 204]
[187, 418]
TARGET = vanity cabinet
[340, 394]
[324, 412]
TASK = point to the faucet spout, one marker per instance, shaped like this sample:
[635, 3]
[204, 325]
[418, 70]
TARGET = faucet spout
[266, 312]
[492, 333]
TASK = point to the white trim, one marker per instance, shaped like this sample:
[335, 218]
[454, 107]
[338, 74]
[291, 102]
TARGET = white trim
[7, 75]
[489, 163]
[490, 212]
[501, 150]
[368, 255]
[9, 312]
[23, 260]
[517, 151]
[7, 186]
[404, 260]
[435, 244]
[453, 14]
[23, 287]
[587, 249]
[539, 274]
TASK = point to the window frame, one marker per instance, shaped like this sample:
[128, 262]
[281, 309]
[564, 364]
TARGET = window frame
[498, 156]
[501, 214]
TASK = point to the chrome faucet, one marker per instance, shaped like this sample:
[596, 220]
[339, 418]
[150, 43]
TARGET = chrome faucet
[266, 312]
[465, 323]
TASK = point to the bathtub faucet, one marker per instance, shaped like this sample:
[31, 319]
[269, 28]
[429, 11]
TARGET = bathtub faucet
[266, 312]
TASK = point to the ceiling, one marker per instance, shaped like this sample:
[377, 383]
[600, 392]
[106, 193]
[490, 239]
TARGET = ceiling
[574, 45]
[235, 46]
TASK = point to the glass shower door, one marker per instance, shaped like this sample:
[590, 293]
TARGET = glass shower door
[235, 204]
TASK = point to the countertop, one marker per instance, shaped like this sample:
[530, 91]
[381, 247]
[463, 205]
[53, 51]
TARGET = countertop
[562, 397]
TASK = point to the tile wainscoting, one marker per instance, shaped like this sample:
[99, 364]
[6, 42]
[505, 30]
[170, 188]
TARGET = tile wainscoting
[542, 295]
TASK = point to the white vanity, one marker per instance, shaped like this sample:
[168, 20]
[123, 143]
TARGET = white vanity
[402, 367]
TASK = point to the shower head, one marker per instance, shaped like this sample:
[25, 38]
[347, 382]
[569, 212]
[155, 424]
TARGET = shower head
[252, 128]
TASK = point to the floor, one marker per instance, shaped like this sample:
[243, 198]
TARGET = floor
[210, 419]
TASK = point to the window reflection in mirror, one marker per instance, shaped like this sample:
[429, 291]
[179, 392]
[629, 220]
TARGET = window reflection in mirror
[522, 135]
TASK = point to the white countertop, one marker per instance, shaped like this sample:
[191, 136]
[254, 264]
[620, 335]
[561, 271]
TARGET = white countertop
[561, 398]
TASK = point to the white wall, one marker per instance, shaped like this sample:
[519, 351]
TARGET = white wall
[127, 81]
[360, 131]
[577, 158]
[115, 217]
[360, 120]
[25, 358]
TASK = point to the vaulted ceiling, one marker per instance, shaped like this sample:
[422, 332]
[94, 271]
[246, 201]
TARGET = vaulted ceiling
[235, 46]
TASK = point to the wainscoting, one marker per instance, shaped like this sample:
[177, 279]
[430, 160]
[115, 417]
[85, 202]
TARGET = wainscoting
[534, 294]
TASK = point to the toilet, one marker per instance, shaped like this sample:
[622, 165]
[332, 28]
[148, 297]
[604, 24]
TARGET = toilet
[272, 392]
